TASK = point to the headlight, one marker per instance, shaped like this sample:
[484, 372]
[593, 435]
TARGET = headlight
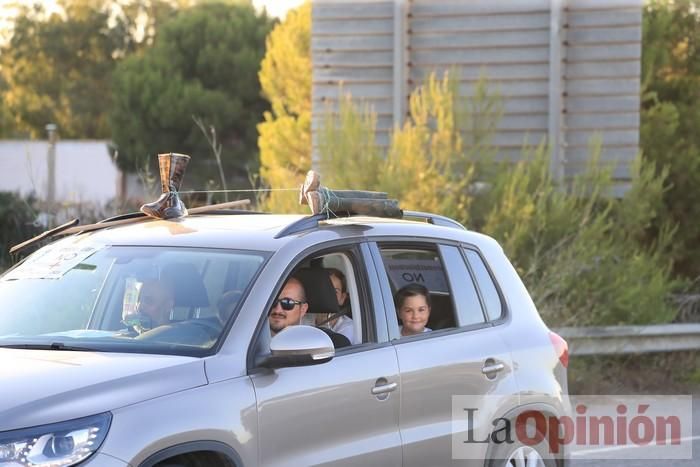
[56, 445]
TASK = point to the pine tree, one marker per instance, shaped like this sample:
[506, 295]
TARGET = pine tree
[670, 118]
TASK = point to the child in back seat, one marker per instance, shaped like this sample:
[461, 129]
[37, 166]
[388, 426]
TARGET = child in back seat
[413, 307]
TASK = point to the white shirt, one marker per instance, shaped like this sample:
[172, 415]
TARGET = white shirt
[346, 327]
[425, 329]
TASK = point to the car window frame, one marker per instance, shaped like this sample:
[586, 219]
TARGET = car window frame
[389, 308]
[363, 268]
[505, 310]
[455, 278]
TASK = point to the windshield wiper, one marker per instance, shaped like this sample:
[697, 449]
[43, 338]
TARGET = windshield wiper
[52, 346]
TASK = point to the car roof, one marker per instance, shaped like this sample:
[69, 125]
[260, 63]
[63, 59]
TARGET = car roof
[266, 232]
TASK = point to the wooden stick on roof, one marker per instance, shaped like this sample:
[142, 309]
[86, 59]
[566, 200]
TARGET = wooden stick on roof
[345, 202]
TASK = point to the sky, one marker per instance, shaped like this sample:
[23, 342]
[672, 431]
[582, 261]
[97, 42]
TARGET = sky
[277, 8]
[274, 7]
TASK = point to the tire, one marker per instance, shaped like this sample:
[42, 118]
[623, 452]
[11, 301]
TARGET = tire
[519, 455]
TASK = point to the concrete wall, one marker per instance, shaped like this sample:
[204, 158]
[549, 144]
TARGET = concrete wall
[567, 70]
[85, 171]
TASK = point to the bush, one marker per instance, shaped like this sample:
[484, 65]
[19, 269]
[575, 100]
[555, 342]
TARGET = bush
[583, 254]
[17, 216]
[670, 117]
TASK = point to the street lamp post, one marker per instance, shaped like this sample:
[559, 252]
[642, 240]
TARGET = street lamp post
[51, 175]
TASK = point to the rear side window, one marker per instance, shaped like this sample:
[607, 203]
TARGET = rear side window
[489, 293]
[466, 297]
[412, 270]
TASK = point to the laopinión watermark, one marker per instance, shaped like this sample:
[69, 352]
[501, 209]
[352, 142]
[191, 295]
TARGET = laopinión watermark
[590, 427]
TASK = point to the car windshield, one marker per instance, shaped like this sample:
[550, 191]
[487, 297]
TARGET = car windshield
[75, 296]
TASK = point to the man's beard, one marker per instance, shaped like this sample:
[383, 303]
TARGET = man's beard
[277, 326]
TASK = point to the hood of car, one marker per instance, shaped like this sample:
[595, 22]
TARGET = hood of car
[46, 386]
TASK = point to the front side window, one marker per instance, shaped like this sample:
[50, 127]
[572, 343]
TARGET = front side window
[325, 291]
[120, 298]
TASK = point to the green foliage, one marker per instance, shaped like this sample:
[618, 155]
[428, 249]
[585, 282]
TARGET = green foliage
[587, 257]
[57, 68]
[7, 124]
[582, 253]
[203, 63]
[670, 118]
[17, 217]
[285, 135]
[346, 140]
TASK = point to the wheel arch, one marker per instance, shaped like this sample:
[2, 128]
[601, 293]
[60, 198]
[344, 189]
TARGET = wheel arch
[191, 447]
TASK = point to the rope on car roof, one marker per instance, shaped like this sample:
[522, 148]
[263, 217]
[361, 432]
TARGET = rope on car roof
[328, 195]
[238, 191]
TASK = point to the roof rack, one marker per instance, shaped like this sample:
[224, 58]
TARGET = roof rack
[74, 227]
[118, 217]
[312, 221]
[434, 219]
[229, 212]
[305, 223]
[42, 236]
[138, 214]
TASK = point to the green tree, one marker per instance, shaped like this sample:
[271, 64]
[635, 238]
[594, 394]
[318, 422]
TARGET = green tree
[7, 124]
[285, 135]
[203, 64]
[57, 67]
[671, 116]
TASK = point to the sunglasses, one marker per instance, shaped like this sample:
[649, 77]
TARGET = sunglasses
[286, 303]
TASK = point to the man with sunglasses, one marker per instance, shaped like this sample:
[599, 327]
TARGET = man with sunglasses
[291, 306]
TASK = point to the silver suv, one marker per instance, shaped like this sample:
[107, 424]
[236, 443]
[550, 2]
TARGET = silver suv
[148, 344]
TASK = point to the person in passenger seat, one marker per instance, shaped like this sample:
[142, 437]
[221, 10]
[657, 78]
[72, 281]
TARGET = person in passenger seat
[226, 304]
[413, 307]
[342, 324]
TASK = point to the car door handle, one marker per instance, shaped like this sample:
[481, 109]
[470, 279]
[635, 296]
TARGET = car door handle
[384, 388]
[491, 368]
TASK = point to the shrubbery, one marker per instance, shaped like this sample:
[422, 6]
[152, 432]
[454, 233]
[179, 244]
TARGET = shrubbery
[587, 257]
[17, 218]
[582, 253]
[670, 118]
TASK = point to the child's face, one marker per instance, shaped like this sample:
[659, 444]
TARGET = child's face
[414, 314]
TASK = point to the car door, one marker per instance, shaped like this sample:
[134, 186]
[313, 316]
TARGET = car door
[344, 412]
[463, 355]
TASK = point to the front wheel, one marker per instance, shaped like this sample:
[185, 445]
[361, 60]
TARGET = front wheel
[517, 455]
[525, 456]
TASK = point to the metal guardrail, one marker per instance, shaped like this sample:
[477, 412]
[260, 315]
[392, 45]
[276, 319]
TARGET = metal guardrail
[617, 340]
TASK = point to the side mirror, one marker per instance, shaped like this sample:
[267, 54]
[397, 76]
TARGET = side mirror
[299, 346]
